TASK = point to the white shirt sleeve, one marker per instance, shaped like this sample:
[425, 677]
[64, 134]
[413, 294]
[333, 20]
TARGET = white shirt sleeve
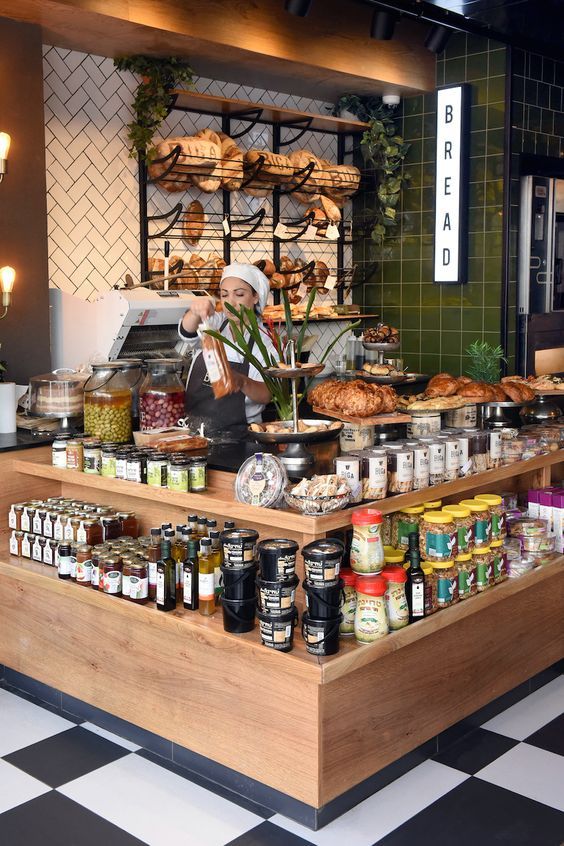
[193, 340]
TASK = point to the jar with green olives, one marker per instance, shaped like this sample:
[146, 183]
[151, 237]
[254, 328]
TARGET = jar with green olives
[107, 403]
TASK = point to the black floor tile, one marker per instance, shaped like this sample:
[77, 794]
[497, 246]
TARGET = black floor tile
[479, 814]
[267, 834]
[208, 784]
[66, 756]
[54, 820]
[475, 751]
[550, 736]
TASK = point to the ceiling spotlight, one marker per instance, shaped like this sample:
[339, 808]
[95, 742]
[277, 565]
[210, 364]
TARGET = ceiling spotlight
[298, 7]
[437, 38]
[383, 24]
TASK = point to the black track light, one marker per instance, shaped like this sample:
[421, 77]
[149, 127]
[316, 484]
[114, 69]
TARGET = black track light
[298, 7]
[437, 38]
[383, 24]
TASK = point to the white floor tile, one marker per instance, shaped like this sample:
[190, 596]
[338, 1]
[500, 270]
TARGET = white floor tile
[115, 738]
[386, 810]
[529, 715]
[530, 771]
[17, 787]
[23, 723]
[158, 806]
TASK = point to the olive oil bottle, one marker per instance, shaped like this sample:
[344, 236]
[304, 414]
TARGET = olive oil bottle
[193, 523]
[178, 552]
[166, 576]
[206, 578]
[218, 553]
[190, 577]
[415, 587]
[202, 527]
[154, 555]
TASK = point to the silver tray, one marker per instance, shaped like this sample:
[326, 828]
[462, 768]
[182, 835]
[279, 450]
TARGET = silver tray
[305, 371]
[507, 404]
[299, 437]
[383, 380]
[382, 347]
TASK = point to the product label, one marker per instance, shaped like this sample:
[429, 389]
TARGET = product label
[112, 582]
[197, 477]
[108, 466]
[160, 587]
[121, 468]
[26, 522]
[59, 458]
[498, 525]
[95, 575]
[206, 586]
[12, 520]
[447, 590]
[285, 565]
[157, 474]
[13, 544]
[377, 472]
[73, 567]
[64, 565]
[26, 547]
[178, 479]
[483, 573]
[417, 599]
[211, 365]
[133, 471]
[463, 585]
[370, 622]
[67, 531]
[440, 545]
[497, 566]
[482, 532]
[138, 588]
[48, 554]
[125, 585]
[545, 513]
[464, 536]
[421, 463]
[405, 528]
[37, 525]
[92, 463]
[217, 582]
[81, 533]
[347, 608]
[495, 445]
[396, 606]
[152, 572]
[351, 472]
[37, 551]
[367, 552]
[405, 467]
[84, 571]
[436, 459]
[58, 530]
[47, 527]
[187, 586]
[452, 457]
[532, 510]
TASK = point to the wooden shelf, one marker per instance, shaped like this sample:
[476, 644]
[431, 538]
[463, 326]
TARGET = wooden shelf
[210, 105]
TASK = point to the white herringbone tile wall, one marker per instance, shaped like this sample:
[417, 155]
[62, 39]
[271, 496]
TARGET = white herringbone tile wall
[92, 188]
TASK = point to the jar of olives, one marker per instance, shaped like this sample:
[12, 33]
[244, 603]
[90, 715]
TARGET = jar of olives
[107, 403]
[161, 396]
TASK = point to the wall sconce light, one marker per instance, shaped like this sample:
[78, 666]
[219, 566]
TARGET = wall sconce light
[4, 147]
[7, 279]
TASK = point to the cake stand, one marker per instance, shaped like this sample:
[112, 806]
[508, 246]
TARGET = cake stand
[381, 349]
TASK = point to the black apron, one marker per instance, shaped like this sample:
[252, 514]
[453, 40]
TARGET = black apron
[227, 414]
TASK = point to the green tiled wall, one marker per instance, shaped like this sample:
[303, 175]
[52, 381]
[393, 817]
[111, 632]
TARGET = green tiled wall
[438, 322]
[537, 127]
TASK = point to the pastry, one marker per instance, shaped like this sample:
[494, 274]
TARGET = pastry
[193, 223]
[442, 385]
[267, 266]
[331, 209]
[477, 391]
[434, 403]
[356, 398]
[518, 391]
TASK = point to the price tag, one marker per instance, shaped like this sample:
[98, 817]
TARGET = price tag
[280, 231]
[330, 282]
[226, 227]
[332, 233]
[311, 232]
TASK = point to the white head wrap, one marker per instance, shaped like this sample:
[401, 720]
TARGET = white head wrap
[253, 277]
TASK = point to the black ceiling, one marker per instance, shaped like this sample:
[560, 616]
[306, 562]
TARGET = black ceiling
[536, 25]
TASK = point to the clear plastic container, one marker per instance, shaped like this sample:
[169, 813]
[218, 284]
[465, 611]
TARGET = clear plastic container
[57, 394]
[108, 404]
[161, 396]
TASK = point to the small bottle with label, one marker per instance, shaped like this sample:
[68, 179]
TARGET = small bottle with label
[190, 577]
[166, 576]
[218, 553]
[202, 526]
[229, 524]
[178, 552]
[415, 588]
[206, 578]
[154, 554]
[64, 561]
[211, 526]
[193, 523]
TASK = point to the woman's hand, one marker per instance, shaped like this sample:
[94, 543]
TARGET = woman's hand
[256, 391]
[200, 309]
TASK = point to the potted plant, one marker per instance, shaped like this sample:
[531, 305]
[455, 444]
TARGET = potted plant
[384, 151]
[244, 322]
[485, 361]
[153, 98]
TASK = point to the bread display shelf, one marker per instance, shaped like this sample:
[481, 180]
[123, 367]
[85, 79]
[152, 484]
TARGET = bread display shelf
[377, 420]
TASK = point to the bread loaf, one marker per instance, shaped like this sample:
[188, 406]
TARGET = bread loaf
[275, 167]
[193, 223]
[331, 209]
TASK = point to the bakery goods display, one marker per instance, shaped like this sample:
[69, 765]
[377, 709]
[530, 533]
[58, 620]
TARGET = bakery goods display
[381, 334]
[510, 389]
[193, 221]
[355, 398]
[280, 427]
[319, 495]
[57, 394]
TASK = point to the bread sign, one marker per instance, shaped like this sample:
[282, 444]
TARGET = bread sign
[451, 180]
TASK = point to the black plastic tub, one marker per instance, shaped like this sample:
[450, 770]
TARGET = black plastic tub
[323, 601]
[239, 582]
[277, 559]
[322, 560]
[238, 615]
[278, 632]
[276, 598]
[239, 547]
[321, 636]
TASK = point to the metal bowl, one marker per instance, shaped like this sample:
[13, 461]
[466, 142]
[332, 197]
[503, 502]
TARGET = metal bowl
[299, 437]
[383, 347]
[381, 380]
[305, 371]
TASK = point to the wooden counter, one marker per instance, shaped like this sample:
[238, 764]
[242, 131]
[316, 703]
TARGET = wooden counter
[335, 721]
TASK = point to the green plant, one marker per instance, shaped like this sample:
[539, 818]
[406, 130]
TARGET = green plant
[485, 361]
[244, 322]
[153, 97]
[384, 151]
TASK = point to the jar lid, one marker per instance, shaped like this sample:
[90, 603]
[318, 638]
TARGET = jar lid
[389, 549]
[348, 577]
[414, 509]
[371, 585]
[491, 499]
[85, 549]
[427, 568]
[480, 550]
[463, 556]
[432, 504]
[395, 557]
[438, 517]
[457, 510]
[496, 543]
[442, 565]
[366, 517]
[474, 505]
[394, 574]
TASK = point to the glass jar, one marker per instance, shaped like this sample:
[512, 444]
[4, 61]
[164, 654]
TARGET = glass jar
[84, 565]
[111, 526]
[198, 475]
[59, 451]
[136, 468]
[445, 575]
[133, 372]
[395, 598]
[113, 572]
[121, 463]
[108, 461]
[157, 470]
[430, 594]
[178, 475]
[466, 575]
[129, 524]
[482, 521]
[497, 511]
[90, 532]
[499, 562]
[138, 582]
[161, 396]
[15, 516]
[370, 620]
[92, 457]
[464, 525]
[479, 452]
[482, 561]
[437, 536]
[367, 551]
[107, 403]
[75, 454]
[403, 523]
[348, 602]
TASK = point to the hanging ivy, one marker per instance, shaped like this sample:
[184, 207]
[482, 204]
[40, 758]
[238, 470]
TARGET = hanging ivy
[153, 97]
[384, 152]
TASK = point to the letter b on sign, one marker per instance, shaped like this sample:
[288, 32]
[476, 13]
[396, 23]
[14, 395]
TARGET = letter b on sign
[448, 114]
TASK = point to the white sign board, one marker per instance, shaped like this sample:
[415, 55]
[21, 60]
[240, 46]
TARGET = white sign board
[450, 185]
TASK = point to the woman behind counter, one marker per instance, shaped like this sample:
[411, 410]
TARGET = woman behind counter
[241, 285]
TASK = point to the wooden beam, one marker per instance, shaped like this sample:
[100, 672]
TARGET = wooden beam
[324, 55]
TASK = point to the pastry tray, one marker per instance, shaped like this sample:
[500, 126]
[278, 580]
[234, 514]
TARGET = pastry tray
[383, 380]
[376, 420]
[382, 346]
[305, 371]
[291, 437]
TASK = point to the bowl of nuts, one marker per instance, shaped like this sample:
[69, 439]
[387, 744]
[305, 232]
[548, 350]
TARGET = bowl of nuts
[318, 495]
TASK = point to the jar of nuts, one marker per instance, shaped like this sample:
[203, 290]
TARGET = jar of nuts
[107, 403]
[403, 523]
[437, 536]
[464, 524]
[161, 396]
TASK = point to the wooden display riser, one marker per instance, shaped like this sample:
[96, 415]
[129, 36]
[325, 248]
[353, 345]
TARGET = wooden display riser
[334, 721]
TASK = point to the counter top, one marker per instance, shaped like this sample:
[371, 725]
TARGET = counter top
[23, 440]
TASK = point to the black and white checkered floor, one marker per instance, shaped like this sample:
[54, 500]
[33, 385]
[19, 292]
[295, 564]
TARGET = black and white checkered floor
[72, 784]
